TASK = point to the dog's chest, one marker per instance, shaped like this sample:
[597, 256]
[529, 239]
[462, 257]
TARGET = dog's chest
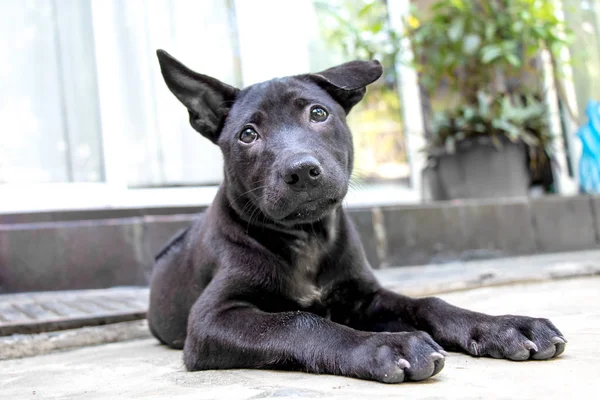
[306, 260]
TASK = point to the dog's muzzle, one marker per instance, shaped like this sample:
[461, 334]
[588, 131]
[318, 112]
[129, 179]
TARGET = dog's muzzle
[303, 173]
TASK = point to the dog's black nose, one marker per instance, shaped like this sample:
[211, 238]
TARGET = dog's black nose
[303, 173]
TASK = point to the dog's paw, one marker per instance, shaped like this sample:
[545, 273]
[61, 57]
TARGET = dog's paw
[516, 338]
[398, 357]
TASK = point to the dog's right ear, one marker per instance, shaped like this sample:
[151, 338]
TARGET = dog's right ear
[207, 99]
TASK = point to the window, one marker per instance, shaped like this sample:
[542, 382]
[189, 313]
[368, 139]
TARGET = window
[48, 98]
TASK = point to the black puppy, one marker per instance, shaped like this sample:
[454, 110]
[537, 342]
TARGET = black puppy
[273, 275]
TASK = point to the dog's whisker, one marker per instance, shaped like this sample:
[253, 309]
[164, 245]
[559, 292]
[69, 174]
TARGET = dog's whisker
[248, 192]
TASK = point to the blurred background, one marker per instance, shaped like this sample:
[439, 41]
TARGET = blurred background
[472, 143]
[89, 122]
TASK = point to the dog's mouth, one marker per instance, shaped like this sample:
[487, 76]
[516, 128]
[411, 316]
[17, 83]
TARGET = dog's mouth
[311, 211]
[281, 205]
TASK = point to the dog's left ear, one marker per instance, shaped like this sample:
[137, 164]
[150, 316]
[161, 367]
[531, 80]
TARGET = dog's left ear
[347, 83]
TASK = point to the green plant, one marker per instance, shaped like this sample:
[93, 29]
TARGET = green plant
[482, 57]
[493, 117]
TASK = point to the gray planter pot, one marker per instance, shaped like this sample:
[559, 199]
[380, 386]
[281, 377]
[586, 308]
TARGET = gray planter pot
[478, 170]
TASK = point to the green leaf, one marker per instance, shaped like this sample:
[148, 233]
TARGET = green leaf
[490, 52]
[366, 9]
[469, 113]
[376, 27]
[455, 3]
[556, 48]
[471, 43]
[449, 59]
[490, 31]
[518, 26]
[513, 60]
[456, 30]
[512, 131]
[479, 127]
[484, 107]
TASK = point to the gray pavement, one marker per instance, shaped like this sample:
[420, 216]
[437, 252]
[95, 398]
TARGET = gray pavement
[143, 369]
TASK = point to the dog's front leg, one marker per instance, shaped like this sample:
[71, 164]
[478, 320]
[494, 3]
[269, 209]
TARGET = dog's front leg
[241, 336]
[507, 336]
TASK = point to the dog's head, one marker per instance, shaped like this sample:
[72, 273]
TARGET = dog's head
[286, 145]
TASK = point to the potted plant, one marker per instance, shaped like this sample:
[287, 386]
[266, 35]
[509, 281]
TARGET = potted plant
[478, 61]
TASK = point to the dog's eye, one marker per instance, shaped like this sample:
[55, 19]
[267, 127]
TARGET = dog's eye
[318, 114]
[248, 135]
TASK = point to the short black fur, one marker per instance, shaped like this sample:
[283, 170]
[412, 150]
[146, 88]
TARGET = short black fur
[273, 274]
[172, 243]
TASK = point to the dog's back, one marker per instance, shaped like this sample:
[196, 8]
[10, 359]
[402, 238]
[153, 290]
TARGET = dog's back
[173, 244]
[170, 296]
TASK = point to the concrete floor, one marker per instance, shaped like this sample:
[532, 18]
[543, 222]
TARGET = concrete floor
[143, 369]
